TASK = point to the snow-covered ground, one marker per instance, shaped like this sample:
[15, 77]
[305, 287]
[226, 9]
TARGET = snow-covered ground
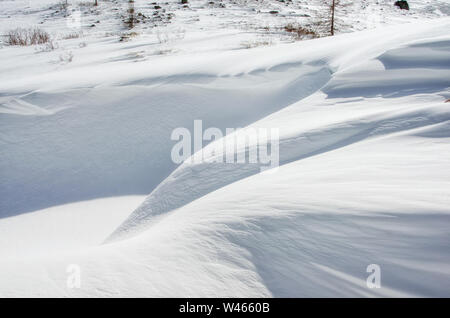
[87, 179]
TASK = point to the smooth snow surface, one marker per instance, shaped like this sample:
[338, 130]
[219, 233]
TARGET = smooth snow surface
[63, 228]
[86, 176]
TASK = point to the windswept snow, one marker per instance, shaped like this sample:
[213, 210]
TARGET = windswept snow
[305, 133]
[364, 144]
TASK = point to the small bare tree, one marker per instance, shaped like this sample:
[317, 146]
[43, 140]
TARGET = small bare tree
[328, 23]
[332, 12]
[131, 19]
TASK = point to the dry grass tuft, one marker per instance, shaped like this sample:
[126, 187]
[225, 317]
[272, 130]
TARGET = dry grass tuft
[25, 37]
[300, 32]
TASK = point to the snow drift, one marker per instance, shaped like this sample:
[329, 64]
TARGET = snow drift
[364, 172]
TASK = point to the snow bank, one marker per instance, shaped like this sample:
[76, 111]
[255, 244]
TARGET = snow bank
[363, 178]
[304, 133]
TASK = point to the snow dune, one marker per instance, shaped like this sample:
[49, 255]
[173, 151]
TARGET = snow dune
[364, 174]
[110, 141]
[304, 133]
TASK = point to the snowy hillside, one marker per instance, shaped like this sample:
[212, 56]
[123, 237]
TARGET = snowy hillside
[362, 176]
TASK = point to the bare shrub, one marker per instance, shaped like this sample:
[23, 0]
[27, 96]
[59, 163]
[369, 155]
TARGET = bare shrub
[70, 36]
[63, 6]
[300, 32]
[82, 4]
[126, 36]
[165, 35]
[24, 37]
[66, 57]
[48, 47]
[254, 44]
